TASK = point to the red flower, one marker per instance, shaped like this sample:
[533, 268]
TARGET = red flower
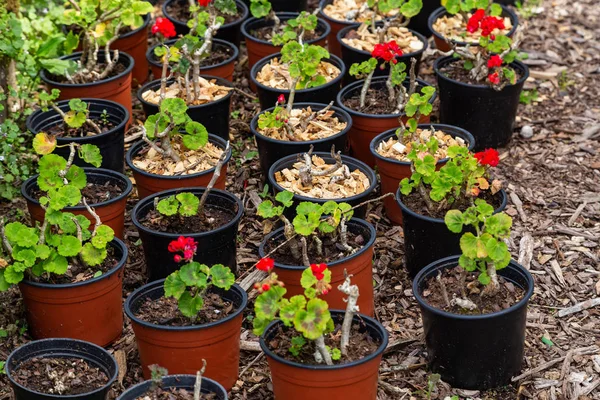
[488, 157]
[494, 78]
[473, 23]
[164, 27]
[186, 245]
[281, 99]
[265, 264]
[177, 258]
[317, 270]
[488, 24]
[494, 61]
[266, 287]
[204, 3]
[387, 51]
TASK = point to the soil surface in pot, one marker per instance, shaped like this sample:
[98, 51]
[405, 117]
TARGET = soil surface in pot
[377, 101]
[457, 72]
[398, 150]
[64, 131]
[118, 69]
[266, 33]
[209, 91]
[94, 193]
[277, 76]
[360, 346]
[415, 203]
[343, 10]
[306, 125]
[180, 10]
[454, 27]
[174, 394]
[192, 161]
[217, 55]
[211, 219]
[363, 38]
[164, 311]
[60, 376]
[508, 295]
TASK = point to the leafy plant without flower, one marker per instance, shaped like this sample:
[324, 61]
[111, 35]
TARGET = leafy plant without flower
[293, 29]
[78, 113]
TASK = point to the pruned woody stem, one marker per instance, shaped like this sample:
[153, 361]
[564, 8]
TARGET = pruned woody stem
[307, 172]
[351, 308]
[401, 96]
[214, 178]
[198, 383]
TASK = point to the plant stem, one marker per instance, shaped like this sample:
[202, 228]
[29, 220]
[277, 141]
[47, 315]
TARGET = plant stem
[322, 350]
[443, 289]
[289, 233]
[163, 78]
[351, 308]
[304, 246]
[365, 89]
[493, 287]
[213, 180]
[290, 102]
[198, 383]
[390, 87]
[315, 114]
[319, 245]
[306, 172]
[344, 235]
[79, 232]
[413, 77]
[93, 214]
[5, 241]
[65, 171]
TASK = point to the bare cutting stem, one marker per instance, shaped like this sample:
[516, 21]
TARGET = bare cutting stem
[443, 289]
[344, 235]
[413, 77]
[5, 241]
[214, 179]
[322, 350]
[315, 114]
[163, 78]
[93, 214]
[351, 308]
[198, 383]
[306, 172]
[365, 89]
[493, 287]
[63, 173]
[304, 245]
[290, 102]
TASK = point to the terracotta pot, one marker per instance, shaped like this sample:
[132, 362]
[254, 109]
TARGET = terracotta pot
[258, 48]
[117, 88]
[177, 382]
[223, 70]
[135, 43]
[180, 349]
[440, 41]
[359, 264]
[111, 212]
[148, 184]
[353, 380]
[366, 126]
[88, 310]
[336, 25]
[391, 171]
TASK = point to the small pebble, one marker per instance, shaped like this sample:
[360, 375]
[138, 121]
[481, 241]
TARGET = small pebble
[527, 132]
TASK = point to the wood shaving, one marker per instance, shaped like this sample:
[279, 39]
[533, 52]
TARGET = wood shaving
[201, 160]
[363, 38]
[289, 179]
[323, 126]
[277, 75]
[209, 92]
[352, 10]
[454, 27]
[394, 149]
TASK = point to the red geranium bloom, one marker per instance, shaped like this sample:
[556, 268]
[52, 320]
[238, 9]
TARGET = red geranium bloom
[473, 23]
[494, 78]
[488, 24]
[281, 99]
[204, 3]
[317, 270]
[265, 264]
[186, 245]
[164, 27]
[494, 61]
[387, 51]
[266, 287]
[488, 157]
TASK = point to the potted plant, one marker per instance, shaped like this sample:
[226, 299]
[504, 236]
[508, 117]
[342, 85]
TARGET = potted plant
[179, 12]
[74, 369]
[103, 74]
[267, 31]
[195, 314]
[285, 5]
[483, 290]
[176, 152]
[70, 276]
[135, 43]
[86, 121]
[379, 104]
[313, 351]
[315, 77]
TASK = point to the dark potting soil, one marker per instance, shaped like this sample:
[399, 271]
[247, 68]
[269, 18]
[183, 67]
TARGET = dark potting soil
[508, 295]
[92, 192]
[377, 102]
[218, 55]
[332, 250]
[60, 376]
[180, 10]
[64, 131]
[503, 393]
[415, 203]
[266, 33]
[211, 219]
[458, 73]
[361, 345]
[118, 69]
[164, 311]
[174, 394]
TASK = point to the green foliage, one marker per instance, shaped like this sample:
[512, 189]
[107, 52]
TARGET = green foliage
[408, 8]
[260, 8]
[272, 119]
[303, 61]
[305, 22]
[185, 204]
[362, 70]
[297, 343]
[418, 105]
[309, 217]
[465, 6]
[267, 209]
[528, 96]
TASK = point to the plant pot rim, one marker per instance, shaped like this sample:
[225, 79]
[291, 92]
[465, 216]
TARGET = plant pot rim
[114, 175]
[176, 377]
[283, 15]
[327, 17]
[116, 242]
[88, 100]
[234, 56]
[443, 61]
[364, 248]
[407, 210]
[339, 111]
[362, 166]
[139, 145]
[241, 6]
[77, 55]
[375, 79]
[133, 32]
[333, 59]
[195, 190]
[62, 354]
[156, 83]
[318, 367]
[443, 127]
[423, 303]
[159, 283]
[440, 11]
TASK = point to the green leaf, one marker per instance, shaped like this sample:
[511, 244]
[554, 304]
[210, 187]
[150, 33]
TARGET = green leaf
[75, 119]
[66, 196]
[189, 203]
[27, 256]
[168, 206]
[70, 246]
[58, 67]
[454, 221]
[19, 234]
[336, 354]
[313, 321]
[4, 285]
[192, 275]
[305, 225]
[467, 263]
[266, 305]
[307, 208]
[90, 154]
[411, 8]
[495, 10]
[222, 277]
[289, 309]
[174, 286]
[57, 265]
[76, 177]
[142, 7]
[266, 210]
[190, 305]
[12, 276]
[469, 244]
[496, 249]
[484, 278]
[92, 256]
[44, 144]
[499, 225]
[197, 136]
[104, 234]
[285, 198]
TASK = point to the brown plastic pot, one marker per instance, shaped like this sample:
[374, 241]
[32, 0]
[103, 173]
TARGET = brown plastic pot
[135, 43]
[181, 349]
[90, 310]
[354, 380]
[111, 212]
[365, 127]
[148, 184]
[336, 25]
[359, 265]
[391, 171]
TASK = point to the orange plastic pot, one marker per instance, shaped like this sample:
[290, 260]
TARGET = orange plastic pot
[148, 184]
[90, 310]
[354, 380]
[365, 127]
[359, 265]
[336, 25]
[391, 171]
[111, 212]
[181, 349]
[135, 43]
[117, 88]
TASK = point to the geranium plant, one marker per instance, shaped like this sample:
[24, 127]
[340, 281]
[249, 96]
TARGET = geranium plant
[76, 117]
[292, 29]
[402, 10]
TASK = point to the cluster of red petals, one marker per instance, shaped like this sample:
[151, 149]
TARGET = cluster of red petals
[494, 61]
[204, 3]
[486, 23]
[475, 20]
[494, 78]
[265, 264]
[317, 270]
[488, 157]
[186, 245]
[164, 27]
[387, 51]
[281, 99]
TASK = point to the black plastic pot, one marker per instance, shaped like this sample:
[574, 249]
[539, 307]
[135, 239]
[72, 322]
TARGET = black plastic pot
[320, 94]
[352, 163]
[62, 348]
[214, 247]
[475, 351]
[270, 150]
[421, 232]
[111, 143]
[186, 382]
[285, 5]
[229, 32]
[419, 22]
[214, 115]
[488, 114]
[351, 55]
